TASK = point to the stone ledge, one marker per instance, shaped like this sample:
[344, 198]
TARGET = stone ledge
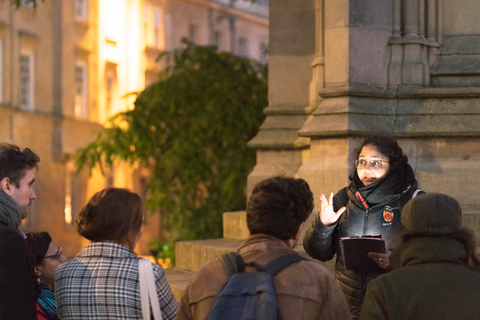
[178, 281]
[235, 225]
[191, 255]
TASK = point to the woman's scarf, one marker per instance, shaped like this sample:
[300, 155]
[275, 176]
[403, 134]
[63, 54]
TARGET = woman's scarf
[396, 182]
[47, 302]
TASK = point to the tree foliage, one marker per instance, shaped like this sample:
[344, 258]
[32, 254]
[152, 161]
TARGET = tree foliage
[190, 128]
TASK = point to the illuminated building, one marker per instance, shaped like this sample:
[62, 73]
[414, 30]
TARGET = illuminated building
[65, 67]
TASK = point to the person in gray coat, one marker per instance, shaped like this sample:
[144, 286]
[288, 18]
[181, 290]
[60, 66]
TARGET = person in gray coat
[437, 272]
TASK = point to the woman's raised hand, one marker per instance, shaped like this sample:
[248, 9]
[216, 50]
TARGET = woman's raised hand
[327, 215]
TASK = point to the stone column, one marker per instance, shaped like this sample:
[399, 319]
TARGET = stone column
[292, 48]
[396, 48]
[412, 67]
[318, 64]
[432, 30]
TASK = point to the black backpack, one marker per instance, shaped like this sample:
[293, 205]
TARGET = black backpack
[249, 295]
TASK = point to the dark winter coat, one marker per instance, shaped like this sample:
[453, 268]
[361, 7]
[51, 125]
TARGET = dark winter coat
[382, 217]
[17, 296]
[433, 282]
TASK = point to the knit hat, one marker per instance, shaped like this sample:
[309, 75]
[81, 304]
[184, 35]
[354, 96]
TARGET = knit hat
[432, 214]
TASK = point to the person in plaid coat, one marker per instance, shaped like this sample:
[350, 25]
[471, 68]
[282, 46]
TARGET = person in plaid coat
[102, 281]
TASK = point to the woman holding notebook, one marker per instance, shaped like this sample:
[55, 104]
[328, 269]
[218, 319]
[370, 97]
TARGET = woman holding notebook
[381, 183]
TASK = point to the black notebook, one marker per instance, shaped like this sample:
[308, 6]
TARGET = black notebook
[355, 252]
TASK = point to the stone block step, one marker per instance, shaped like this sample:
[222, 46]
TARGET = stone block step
[178, 280]
[191, 255]
[235, 225]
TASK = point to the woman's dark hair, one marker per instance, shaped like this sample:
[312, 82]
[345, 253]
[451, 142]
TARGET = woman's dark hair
[111, 215]
[388, 147]
[278, 206]
[37, 247]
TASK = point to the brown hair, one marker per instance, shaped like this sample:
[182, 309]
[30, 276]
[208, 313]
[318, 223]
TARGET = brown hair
[111, 215]
[278, 206]
[14, 162]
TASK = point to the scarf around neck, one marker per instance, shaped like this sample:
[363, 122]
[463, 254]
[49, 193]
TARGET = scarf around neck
[396, 182]
[10, 213]
[47, 302]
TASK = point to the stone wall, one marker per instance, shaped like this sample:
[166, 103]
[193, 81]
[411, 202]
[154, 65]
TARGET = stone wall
[341, 70]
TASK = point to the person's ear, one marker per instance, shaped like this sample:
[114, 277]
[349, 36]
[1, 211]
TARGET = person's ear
[6, 185]
[37, 271]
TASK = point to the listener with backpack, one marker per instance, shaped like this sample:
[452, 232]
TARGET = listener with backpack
[382, 182]
[265, 278]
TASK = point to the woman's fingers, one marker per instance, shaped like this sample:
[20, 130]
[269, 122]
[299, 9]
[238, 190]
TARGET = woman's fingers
[382, 259]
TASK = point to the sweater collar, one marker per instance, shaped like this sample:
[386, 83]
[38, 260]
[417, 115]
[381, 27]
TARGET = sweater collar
[106, 249]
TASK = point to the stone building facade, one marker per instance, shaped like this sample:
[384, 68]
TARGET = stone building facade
[65, 68]
[340, 70]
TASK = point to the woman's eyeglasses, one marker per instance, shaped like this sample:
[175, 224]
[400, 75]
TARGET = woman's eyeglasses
[374, 163]
[57, 255]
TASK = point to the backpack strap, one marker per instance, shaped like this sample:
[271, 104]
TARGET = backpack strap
[233, 262]
[282, 262]
[417, 192]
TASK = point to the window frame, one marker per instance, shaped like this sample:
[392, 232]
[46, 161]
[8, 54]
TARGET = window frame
[30, 104]
[81, 110]
[82, 6]
[1, 71]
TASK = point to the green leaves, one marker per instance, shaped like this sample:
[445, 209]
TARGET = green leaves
[190, 128]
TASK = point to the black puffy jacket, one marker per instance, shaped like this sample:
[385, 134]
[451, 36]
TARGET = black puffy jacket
[323, 242]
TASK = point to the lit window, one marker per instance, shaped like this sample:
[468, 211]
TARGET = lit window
[81, 9]
[156, 28]
[27, 3]
[217, 40]
[263, 53]
[1, 70]
[192, 33]
[111, 90]
[109, 94]
[26, 81]
[80, 94]
[242, 47]
[73, 193]
[153, 16]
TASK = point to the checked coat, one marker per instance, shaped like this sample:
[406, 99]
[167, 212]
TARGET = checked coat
[101, 282]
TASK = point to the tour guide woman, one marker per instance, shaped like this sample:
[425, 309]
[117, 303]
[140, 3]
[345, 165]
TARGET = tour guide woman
[382, 182]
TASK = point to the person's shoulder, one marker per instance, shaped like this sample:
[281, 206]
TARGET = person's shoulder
[207, 281]
[11, 241]
[311, 272]
[315, 268]
[68, 266]
[8, 233]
